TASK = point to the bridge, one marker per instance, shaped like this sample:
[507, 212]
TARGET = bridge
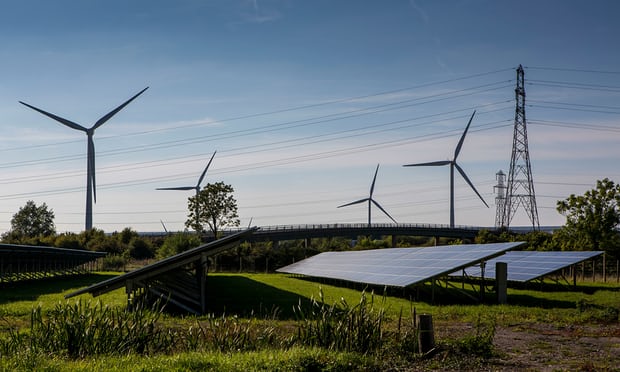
[309, 231]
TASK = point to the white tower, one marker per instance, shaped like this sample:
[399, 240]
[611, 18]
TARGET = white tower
[500, 198]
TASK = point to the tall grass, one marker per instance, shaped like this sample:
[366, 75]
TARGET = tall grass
[86, 329]
[342, 327]
[231, 334]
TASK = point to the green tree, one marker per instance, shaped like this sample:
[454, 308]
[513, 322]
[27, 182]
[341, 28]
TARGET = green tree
[177, 243]
[140, 248]
[592, 218]
[214, 207]
[33, 221]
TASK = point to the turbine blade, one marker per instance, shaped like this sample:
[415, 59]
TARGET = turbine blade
[383, 210]
[355, 202]
[185, 188]
[204, 172]
[372, 187]
[462, 172]
[91, 164]
[64, 121]
[431, 164]
[107, 117]
[458, 147]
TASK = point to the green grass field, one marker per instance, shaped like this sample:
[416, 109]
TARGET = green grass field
[273, 297]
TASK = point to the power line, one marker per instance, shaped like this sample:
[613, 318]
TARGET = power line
[572, 85]
[288, 109]
[279, 162]
[572, 70]
[268, 128]
[572, 104]
[595, 127]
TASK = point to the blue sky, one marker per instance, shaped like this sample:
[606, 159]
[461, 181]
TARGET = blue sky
[302, 99]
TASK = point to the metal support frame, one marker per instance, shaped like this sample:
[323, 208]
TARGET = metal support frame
[520, 186]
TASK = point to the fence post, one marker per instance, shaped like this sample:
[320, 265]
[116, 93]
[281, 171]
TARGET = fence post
[501, 282]
[426, 335]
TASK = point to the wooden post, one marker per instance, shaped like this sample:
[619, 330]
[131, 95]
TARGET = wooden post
[574, 269]
[426, 335]
[501, 282]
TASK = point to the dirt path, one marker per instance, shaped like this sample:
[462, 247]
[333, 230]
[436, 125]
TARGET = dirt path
[536, 347]
[544, 347]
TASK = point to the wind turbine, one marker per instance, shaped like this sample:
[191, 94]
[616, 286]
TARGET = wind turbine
[91, 188]
[370, 200]
[453, 164]
[197, 187]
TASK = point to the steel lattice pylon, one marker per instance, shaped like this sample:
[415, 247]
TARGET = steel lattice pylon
[520, 185]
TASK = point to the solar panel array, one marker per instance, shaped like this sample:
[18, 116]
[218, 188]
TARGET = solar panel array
[524, 266]
[398, 267]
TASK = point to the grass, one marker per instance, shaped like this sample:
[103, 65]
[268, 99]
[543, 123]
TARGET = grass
[258, 322]
[295, 359]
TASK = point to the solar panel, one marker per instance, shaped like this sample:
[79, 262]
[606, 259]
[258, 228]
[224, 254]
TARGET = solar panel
[398, 267]
[524, 266]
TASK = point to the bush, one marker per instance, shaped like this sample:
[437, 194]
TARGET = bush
[69, 241]
[113, 263]
[177, 243]
[140, 248]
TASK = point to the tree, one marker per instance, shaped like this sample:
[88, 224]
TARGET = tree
[214, 206]
[591, 219]
[33, 221]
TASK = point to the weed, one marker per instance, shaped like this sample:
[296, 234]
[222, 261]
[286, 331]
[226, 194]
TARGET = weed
[85, 329]
[480, 343]
[341, 327]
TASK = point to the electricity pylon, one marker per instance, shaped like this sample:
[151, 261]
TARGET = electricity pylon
[520, 185]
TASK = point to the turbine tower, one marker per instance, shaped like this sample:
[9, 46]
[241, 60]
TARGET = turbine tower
[453, 164]
[520, 186]
[370, 200]
[197, 187]
[91, 188]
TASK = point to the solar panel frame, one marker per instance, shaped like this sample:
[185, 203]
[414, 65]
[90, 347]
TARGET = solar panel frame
[524, 266]
[397, 267]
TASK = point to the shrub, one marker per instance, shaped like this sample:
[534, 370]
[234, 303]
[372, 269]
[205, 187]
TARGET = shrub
[69, 241]
[140, 248]
[177, 243]
[113, 263]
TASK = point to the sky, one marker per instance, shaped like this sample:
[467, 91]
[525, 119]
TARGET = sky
[302, 100]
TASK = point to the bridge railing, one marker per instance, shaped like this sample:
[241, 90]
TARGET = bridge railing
[274, 228]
